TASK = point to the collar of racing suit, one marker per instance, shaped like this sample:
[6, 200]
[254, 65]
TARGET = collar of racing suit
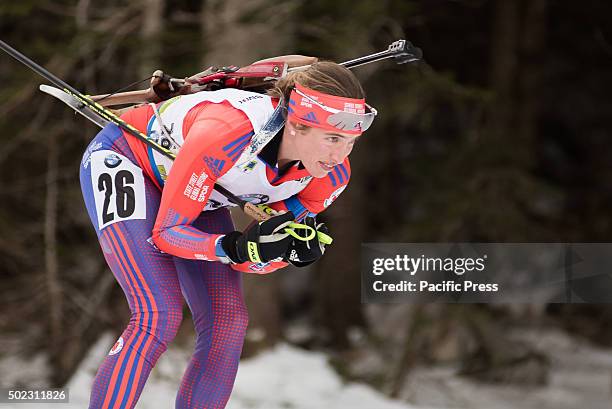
[269, 154]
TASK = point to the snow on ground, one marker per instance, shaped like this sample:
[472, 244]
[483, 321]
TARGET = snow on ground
[290, 378]
[282, 378]
[580, 377]
[287, 377]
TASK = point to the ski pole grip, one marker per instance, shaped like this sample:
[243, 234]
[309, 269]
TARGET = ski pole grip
[255, 212]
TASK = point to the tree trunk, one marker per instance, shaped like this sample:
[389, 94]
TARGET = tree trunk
[239, 33]
[504, 69]
[338, 285]
[150, 33]
[54, 286]
[519, 33]
[532, 49]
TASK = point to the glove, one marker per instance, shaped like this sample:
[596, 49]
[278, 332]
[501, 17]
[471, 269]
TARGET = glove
[166, 87]
[260, 242]
[302, 253]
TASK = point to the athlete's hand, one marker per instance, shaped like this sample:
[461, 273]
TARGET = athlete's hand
[166, 87]
[302, 253]
[260, 242]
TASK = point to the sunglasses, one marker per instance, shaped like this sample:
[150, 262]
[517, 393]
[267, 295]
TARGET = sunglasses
[342, 120]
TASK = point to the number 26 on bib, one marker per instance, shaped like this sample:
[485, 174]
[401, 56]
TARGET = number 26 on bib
[118, 187]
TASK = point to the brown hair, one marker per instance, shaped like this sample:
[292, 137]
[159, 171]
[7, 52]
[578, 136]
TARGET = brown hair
[324, 76]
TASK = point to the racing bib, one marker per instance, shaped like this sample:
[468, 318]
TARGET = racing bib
[118, 187]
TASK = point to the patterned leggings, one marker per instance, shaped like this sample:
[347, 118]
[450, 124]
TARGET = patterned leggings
[122, 203]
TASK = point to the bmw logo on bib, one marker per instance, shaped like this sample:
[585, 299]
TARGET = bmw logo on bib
[112, 160]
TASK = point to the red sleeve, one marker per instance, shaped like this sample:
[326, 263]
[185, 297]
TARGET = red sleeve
[318, 194]
[216, 135]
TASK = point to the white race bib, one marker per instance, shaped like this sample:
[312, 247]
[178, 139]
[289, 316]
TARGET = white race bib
[118, 187]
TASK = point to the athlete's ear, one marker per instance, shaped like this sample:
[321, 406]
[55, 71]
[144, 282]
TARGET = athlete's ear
[291, 127]
[296, 128]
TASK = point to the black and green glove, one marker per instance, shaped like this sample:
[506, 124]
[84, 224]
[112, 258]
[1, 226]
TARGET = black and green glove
[260, 242]
[306, 251]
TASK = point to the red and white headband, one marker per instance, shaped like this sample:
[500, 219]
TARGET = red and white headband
[329, 112]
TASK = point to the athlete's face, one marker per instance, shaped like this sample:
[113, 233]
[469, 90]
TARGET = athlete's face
[320, 150]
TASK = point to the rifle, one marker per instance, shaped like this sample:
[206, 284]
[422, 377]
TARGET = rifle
[258, 77]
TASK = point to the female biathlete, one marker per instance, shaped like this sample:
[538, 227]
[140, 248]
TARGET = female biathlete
[167, 235]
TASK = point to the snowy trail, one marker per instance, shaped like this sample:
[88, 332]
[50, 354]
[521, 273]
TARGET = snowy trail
[290, 378]
[283, 378]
